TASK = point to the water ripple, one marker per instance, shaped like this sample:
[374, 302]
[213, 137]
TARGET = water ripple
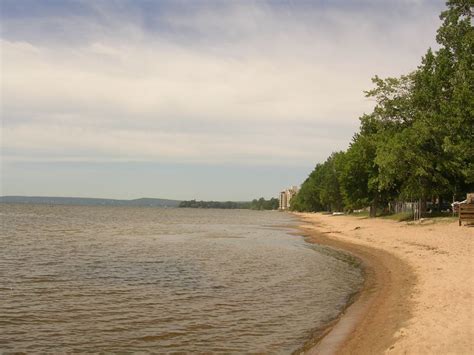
[115, 279]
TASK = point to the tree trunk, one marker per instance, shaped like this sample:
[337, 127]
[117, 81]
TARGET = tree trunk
[373, 209]
[422, 207]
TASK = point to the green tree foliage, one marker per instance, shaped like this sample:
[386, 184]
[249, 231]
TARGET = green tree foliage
[436, 151]
[213, 204]
[308, 199]
[358, 174]
[321, 190]
[453, 71]
[417, 143]
[260, 204]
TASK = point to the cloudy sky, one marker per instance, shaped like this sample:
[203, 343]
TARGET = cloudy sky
[191, 99]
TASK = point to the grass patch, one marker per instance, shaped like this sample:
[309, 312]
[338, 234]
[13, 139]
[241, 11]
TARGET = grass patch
[443, 219]
[399, 217]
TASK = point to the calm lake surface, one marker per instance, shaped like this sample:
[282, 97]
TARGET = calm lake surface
[108, 279]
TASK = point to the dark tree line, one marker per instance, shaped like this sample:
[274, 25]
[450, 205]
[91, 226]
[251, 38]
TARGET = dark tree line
[417, 143]
[260, 204]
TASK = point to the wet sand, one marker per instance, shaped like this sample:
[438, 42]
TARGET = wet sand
[418, 293]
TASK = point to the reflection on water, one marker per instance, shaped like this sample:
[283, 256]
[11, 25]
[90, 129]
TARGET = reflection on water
[75, 278]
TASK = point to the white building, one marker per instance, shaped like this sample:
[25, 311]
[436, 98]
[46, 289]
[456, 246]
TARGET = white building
[286, 196]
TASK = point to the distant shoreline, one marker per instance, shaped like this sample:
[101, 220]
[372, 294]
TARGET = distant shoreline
[86, 201]
[260, 204]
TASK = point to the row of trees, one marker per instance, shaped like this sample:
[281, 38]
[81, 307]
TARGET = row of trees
[212, 204]
[417, 143]
[260, 204]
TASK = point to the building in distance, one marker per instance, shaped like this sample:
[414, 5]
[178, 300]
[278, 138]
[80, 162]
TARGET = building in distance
[286, 196]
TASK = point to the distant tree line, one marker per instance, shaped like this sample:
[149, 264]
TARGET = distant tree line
[212, 204]
[417, 143]
[260, 204]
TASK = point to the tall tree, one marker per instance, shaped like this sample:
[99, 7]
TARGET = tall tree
[455, 73]
[417, 143]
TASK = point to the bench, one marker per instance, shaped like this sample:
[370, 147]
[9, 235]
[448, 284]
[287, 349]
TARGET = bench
[466, 212]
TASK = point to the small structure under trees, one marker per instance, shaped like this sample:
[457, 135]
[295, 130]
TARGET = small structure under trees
[466, 209]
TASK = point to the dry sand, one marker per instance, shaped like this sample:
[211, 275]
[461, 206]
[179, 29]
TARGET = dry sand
[418, 296]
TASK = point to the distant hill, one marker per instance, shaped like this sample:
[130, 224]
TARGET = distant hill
[152, 202]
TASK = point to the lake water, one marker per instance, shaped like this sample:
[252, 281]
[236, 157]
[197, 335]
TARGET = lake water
[109, 279]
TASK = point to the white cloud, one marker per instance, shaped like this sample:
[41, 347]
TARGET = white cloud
[244, 84]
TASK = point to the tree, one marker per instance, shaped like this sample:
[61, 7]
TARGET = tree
[358, 174]
[455, 73]
[307, 199]
[417, 143]
[321, 191]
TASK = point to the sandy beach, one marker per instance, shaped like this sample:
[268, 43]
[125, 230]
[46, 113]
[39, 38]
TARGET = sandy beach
[418, 294]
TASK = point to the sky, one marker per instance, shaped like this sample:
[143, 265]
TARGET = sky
[221, 100]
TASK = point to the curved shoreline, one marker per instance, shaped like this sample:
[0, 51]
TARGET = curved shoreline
[379, 309]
